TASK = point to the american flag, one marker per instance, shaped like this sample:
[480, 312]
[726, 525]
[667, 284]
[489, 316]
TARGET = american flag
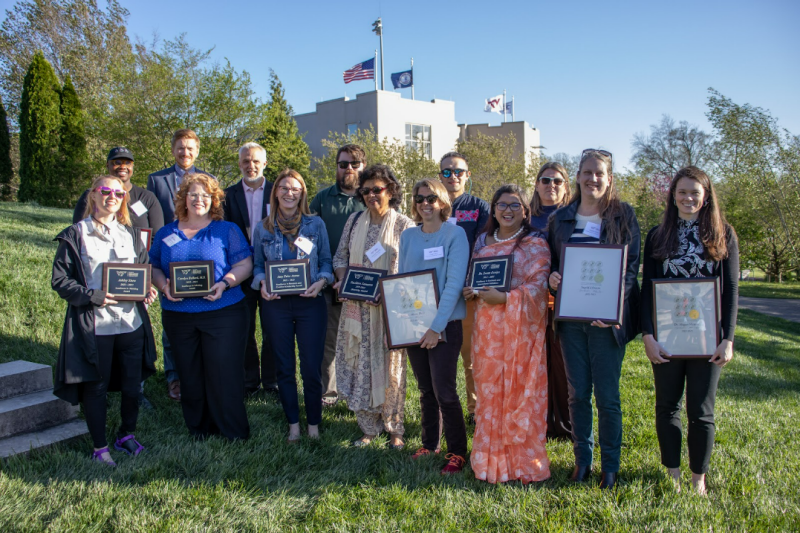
[362, 71]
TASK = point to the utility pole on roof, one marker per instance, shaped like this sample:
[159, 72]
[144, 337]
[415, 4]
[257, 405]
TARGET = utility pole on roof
[377, 27]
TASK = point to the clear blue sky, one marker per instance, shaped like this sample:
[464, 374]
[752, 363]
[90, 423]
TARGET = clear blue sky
[587, 74]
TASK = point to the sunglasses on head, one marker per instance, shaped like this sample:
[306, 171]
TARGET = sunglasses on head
[431, 198]
[105, 191]
[556, 181]
[458, 172]
[601, 152]
[364, 191]
[352, 164]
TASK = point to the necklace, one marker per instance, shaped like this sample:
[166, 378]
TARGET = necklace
[498, 239]
[103, 228]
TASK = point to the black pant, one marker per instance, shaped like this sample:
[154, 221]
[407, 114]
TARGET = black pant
[209, 355]
[558, 423]
[700, 378]
[255, 374]
[117, 355]
[436, 372]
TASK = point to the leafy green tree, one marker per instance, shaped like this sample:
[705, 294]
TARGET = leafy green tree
[284, 143]
[493, 163]
[6, 168]
[73, 175]
[39, 124]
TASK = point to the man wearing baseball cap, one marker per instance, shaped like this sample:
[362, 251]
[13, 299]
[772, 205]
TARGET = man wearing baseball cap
[143, 206]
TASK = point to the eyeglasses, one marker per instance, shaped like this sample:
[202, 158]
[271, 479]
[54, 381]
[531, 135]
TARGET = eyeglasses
[457, 171]
[198, 196]
[352, 164]
[601, 152]
[375, 190]
[431, 198]
[122, 163]
[502, 206]
[285, 190]
[105, 191]
[557, 181]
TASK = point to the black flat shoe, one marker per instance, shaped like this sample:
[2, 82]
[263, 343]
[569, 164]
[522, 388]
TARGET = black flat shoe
[144, 403]
[580, 474]
[608, 480]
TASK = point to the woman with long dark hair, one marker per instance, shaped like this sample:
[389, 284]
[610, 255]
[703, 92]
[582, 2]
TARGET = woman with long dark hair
[593, 352]
[509, 348]
[692, 241]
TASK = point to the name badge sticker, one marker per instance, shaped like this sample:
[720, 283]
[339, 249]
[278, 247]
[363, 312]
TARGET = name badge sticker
[375, 252]
[592, 230]
[172, 240]
[434, 253]
[304, 244]
[452, 220]
[138, 208]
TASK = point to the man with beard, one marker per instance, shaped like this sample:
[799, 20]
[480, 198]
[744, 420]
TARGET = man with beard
[334, 205]
[246, 205]
[143, 206]
[471, 213]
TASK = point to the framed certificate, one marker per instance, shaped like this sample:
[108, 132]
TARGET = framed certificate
[492, 272]
[146, 235]
[127, 281]
[592, 282]
[191, 279]
[361, 283]
[410, 303]
[686, 316]
[287, 277]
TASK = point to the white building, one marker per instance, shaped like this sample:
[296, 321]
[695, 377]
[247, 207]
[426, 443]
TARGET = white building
[429, 125]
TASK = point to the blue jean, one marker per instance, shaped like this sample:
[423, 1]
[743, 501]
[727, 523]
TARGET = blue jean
[305, 319]
[593, 360]
[169, 365]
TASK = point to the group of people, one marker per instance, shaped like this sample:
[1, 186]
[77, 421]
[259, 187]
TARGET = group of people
[527, 378]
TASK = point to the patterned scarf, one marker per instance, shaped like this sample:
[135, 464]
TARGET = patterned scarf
[289, 226]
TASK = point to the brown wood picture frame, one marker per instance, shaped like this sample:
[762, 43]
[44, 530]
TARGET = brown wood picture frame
[395, 306]
[191, 279]
[127, 281]
[289, 269]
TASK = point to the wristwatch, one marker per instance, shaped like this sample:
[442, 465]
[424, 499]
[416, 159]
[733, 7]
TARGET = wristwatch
[227, 285]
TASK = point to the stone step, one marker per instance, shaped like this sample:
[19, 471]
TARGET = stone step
[24, 377]
[31, 412]
[22, 444]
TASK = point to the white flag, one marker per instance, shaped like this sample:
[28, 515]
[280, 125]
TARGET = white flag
[494, 105]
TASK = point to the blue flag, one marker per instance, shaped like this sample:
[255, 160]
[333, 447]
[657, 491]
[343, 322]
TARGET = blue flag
[403, 80]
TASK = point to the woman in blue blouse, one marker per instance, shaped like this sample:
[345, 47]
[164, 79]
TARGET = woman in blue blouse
[208, 335]
[290, 232]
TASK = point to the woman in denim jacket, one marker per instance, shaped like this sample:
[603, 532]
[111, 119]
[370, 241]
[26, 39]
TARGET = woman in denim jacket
[290, 232]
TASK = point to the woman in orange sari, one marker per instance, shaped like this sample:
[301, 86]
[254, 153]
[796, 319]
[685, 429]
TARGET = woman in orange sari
[508, 343]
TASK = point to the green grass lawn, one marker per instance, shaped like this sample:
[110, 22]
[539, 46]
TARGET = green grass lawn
[265, 484]
[762, 289]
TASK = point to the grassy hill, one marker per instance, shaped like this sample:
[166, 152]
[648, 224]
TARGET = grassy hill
[265, 484]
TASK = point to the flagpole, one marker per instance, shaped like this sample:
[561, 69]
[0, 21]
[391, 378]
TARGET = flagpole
[373, 72]
[412, 78]
[504, 105]
[513, 110]
[377, 27]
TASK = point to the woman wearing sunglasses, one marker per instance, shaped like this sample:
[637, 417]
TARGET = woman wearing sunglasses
[693, 241]
[370, 377]
[106, 345]
[509, 348]
[443, 247]
[291, 232]
[551, 193]
[593, 351]
[208, 334]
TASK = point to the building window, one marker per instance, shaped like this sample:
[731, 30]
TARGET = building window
[352, 129]
[418, 137]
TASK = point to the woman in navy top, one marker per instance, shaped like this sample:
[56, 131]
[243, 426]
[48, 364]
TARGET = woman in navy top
[593, 352]
[693, 241]
[290, 232]
[208, 334]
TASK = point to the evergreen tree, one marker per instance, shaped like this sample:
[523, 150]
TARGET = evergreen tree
[284, 144]
[39, 124]
[74, 170]
[6, 169]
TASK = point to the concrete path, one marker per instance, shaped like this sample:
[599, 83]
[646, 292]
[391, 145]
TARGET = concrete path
[788, 309]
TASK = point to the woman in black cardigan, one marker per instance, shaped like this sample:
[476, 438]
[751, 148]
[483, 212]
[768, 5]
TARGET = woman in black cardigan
[692, 241]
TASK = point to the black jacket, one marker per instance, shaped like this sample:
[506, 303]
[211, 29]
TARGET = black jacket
[235, 206]
[560, 228]
[77, 355]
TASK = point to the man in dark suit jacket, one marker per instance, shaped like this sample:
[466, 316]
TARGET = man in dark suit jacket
[164, 184]
[246, 205]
